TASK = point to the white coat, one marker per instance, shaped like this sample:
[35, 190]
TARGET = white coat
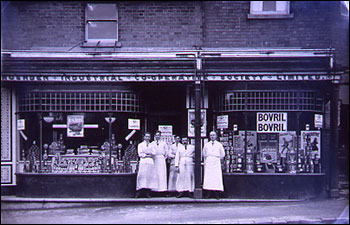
[172, 170]
[160, 151]
[184, 160]
[145, 177]
[213, 152]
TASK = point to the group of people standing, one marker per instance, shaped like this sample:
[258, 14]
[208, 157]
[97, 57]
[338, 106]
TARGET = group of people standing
[152, 172]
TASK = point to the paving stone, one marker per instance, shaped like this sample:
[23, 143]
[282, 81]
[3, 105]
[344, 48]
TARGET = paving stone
[279, 221]
[311, 221]
[263, 221]
[245, 221]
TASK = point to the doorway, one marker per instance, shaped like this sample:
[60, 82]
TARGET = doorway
[165, 104]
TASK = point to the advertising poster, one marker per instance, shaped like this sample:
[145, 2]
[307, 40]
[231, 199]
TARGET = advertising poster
[268, 146]
[286, 142]
[222, 122]
[75, 126]
[237, 144]
[134, 124]
[267, 122]
[191, 121]
[238, 141]
[167, 130]
[311, 143]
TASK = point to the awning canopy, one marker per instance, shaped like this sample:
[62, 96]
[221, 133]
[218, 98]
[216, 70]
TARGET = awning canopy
[258, 64]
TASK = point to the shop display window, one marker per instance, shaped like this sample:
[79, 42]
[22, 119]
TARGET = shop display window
[291, 146]
[75, 132]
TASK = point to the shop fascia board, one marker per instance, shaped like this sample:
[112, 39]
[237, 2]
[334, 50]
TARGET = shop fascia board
[173, 55]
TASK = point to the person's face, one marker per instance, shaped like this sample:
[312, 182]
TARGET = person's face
[212, 136]
[157, 136]
[177, 139]
[184, 141]
[147, 137]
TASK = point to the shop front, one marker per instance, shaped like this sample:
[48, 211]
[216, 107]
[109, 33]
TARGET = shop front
[75, 131]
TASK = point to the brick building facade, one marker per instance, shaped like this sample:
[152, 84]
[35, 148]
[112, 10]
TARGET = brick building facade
[42, 42]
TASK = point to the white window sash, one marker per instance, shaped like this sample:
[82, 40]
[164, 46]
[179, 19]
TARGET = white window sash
[282, 8]
[87, 20]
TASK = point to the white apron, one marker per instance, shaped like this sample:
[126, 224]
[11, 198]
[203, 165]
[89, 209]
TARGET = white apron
[145, 177]
[172, 170]
[184, 160]
[212, 166]
[159, 152]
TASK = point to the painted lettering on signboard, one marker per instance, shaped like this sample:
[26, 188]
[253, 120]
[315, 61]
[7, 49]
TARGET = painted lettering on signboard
[267, 122]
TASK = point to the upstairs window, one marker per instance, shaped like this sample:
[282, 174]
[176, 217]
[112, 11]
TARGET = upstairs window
[269, 9]
[101, 24]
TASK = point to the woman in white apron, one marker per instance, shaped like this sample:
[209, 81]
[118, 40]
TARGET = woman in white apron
[213, 152]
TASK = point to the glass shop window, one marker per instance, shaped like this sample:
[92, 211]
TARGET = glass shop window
[101, 22]
[288, 151]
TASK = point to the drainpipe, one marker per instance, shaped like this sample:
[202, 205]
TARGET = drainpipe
[197, 130]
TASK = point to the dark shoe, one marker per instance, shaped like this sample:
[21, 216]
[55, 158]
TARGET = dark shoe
[217, 195]
[148, 193]
[137, 195]
[190, 194]
[179, 195]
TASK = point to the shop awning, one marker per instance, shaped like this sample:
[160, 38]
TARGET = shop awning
[233, 65]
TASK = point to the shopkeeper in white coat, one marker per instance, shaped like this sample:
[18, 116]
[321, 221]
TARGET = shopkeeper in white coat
[160, 150]
[213, 152]
[146, 179]
[172, 170]
[184, 163]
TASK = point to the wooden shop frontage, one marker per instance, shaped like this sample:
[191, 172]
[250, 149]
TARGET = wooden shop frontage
[75, 119]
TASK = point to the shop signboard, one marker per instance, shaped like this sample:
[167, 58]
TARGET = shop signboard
[191, 122]
[134, 124]
[311, 143]
[286, 142]
[139, 77]
[75, 126]
[267, 122]
[222, 122]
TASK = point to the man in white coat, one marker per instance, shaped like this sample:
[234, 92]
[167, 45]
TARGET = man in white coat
[184, 162]
[159, 150]
[172, 170]
[213, 152]
[146, 180]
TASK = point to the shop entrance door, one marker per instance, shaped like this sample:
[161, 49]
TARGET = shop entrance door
[165, 104]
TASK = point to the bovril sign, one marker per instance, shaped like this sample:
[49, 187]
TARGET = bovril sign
[267, 122]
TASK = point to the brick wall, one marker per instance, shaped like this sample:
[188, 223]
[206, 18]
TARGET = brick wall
[27, 25]
[226, 25]
[160, 24]
[178, 24]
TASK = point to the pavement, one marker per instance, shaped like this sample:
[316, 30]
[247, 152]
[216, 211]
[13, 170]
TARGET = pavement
[247, 211]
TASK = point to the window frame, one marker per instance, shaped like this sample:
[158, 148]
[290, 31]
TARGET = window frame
[92, 42]
[282, 10]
